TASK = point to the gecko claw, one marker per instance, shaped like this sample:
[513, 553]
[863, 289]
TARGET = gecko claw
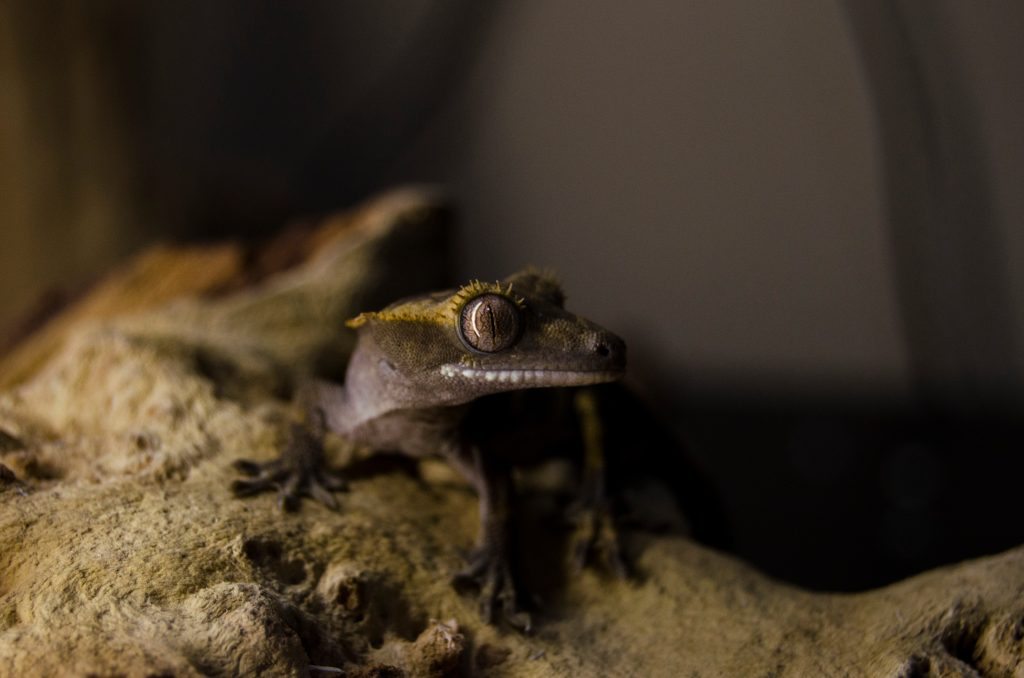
[292, 483]
[299, 472]
[596, 540]
[9, 479]
[488, 574]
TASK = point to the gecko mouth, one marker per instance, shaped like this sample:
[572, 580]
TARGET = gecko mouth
[523, 377]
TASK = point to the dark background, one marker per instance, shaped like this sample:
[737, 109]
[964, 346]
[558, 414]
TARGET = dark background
[805, 217]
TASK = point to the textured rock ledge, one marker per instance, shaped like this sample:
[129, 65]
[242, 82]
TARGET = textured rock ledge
[122, 552]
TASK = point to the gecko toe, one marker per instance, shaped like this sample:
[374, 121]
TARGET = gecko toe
[333, 481]
[247, 488]
[320, 492]
[292, 478]
[596, 540]
[289, 503]
[247, 467]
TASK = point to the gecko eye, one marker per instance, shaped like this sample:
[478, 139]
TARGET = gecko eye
[489, 323]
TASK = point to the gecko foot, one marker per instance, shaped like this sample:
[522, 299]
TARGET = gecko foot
[9, 480]
[300, 471]
[596, 539]
[488, 573]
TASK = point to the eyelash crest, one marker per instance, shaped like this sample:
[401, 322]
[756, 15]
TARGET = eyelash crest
[424, 311]
[475, 288]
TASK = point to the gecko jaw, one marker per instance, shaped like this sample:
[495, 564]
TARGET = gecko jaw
[527, 378]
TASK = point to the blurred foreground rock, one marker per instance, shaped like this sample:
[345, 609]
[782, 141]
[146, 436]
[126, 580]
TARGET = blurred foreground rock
[123, 553]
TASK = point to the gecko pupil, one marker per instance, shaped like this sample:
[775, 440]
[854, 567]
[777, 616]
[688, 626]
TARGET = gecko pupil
[489, 323]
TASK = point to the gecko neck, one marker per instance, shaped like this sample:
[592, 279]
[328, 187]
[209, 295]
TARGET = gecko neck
[364, 397]
[374, 410]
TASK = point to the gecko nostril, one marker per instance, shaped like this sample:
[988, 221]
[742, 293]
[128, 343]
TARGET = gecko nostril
[609, 350]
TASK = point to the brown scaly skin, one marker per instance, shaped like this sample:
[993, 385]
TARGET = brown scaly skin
[417, 367]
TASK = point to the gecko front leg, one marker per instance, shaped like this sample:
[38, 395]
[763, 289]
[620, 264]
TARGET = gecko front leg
[596, 537]
[300, 471]
[489, 570]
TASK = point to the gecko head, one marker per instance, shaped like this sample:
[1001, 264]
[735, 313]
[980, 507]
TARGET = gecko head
[453, 346]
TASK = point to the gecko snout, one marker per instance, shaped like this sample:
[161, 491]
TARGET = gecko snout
[610, 350]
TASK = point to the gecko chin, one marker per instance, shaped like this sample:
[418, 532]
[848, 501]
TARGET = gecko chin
[526, 378]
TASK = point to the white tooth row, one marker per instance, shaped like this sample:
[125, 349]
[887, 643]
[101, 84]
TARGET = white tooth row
[518, 376]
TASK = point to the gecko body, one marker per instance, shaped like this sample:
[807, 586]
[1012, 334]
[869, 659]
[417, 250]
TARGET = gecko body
[417, 369]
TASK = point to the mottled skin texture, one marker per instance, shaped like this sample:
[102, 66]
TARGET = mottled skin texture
[417, 368]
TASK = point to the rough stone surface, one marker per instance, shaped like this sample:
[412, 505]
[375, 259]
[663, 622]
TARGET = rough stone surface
[123, 553]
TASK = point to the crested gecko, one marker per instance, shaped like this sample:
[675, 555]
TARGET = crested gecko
[418, 368]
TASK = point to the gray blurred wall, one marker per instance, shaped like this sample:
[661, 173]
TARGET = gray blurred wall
[703, 176]
[713, 179]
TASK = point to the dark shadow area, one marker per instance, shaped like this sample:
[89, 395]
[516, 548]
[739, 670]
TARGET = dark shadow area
[849, 496]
